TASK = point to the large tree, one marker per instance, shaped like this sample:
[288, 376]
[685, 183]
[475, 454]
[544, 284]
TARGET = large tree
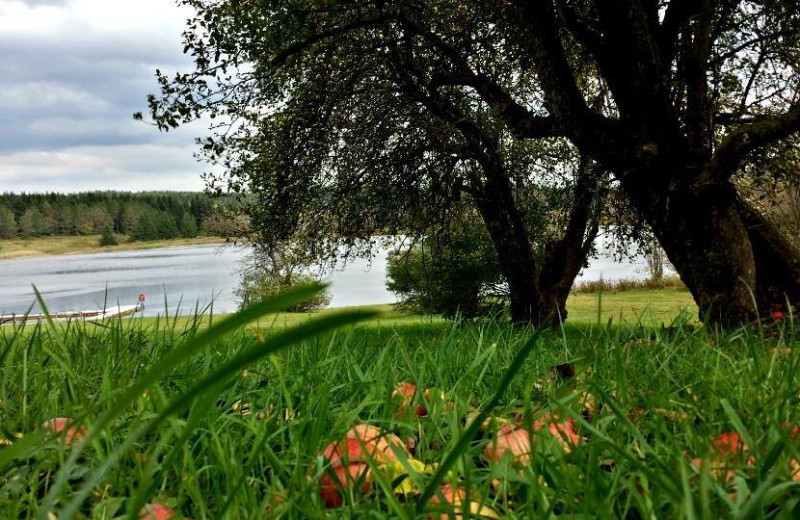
[339, 140]
[670, 96]
[697, 87]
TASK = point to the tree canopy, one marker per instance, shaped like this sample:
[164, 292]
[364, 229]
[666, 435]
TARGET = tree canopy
[352, 120]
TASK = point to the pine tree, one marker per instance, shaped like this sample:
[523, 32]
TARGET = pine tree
[145, 227]
[107, 237]
[8, 225]
[27, 227]
[188, 225]
[41, 225]
[167, 227]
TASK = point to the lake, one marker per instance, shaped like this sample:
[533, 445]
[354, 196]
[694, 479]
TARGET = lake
[181, 278]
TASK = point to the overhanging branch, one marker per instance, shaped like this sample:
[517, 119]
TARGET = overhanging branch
[291, 50]
[522, 123]
[760, 132]
[520, 120]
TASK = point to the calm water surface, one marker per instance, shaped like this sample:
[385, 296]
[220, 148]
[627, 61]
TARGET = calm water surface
[181, 278]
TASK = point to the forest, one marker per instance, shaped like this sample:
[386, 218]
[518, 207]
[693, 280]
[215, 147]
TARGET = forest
[140, 216]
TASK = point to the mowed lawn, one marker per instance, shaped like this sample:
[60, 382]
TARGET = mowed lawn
[648, 306]
[627, 419]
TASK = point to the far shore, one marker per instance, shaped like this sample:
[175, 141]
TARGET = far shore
[70, 245]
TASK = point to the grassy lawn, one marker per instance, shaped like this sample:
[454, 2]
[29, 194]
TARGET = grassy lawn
[62, 245]
[235, 424]
[647, 306]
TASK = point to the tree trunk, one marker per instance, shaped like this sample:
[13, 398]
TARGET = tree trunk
[701, 230]
[562, 264]
[564, 258]
[507, 231]
[777, 263]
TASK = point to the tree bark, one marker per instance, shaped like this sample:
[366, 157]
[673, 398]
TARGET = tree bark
[507, 231]
[538, 294]
[564, 258]
[703, 234]
[777, 263]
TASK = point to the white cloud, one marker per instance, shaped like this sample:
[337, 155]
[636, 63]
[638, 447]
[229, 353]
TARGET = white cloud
[113, 167]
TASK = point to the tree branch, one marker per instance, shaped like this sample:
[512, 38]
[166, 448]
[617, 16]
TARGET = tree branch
[580, 29]
[563, 97]
[698, 117]
[590, 131]
[763, 38]
[519, 119]
[675, 17]
[750, 137]
[522, 123]
[295, 48]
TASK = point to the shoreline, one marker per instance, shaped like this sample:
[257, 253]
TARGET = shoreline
[12, 249]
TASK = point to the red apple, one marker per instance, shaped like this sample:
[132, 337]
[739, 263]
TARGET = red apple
[73, 435]
[728, 445]
[377, 442]
[726, 450]
[405, 391]
[156, 511]
[794, 431]
[516, 439]
[349, 466]
[511, 439]
[350, 460]
[564, 431]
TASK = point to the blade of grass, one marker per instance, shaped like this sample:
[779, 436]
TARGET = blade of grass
[475, 425]
[166, 364]
[274, 344]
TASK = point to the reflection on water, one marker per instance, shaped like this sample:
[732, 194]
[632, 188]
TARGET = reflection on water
[176, 278]
[185, 278]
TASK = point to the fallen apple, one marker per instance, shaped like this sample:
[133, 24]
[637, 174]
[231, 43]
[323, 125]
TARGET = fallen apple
[726, 450]
[406, 391]
[59, 424]
[156, 511]
[516, 439]
[348, 468]
[381, 445]
[510, 439]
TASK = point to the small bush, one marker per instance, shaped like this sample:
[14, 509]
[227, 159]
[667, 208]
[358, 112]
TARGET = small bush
[257, 285]
[448, 274]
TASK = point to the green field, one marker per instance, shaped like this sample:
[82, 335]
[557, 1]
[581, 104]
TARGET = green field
[649, 307]
[233, 423]
[63, 245]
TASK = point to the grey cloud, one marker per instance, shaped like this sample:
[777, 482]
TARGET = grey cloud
[83, 168]
[67, 97]
[90, 85]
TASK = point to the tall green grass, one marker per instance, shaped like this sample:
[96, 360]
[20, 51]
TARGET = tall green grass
[230, 422]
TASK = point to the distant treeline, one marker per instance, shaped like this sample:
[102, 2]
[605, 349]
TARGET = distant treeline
[140, 216]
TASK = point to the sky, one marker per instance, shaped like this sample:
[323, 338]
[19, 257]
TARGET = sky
[72, 73]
